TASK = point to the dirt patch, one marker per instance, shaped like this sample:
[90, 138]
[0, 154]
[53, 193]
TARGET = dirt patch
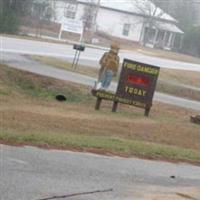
[180, 193]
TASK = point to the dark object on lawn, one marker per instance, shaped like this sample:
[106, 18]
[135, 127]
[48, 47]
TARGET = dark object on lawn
[195, 119]
[61, 98]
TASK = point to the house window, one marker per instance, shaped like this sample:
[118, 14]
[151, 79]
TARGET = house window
[70, 10]
[126, 29]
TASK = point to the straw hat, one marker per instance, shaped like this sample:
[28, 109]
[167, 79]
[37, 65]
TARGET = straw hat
[114, 45]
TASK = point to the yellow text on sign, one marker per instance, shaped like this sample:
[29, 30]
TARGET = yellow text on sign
[135, 91]
[142, 68]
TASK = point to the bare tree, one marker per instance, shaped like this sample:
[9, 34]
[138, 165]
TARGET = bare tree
[89, 18]
[150, 13]
[42, 10]
[183, 10]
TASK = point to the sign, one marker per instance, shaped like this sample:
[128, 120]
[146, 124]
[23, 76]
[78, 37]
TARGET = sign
[113, 97]
[72, 25]
[136, 87]
[137, 82]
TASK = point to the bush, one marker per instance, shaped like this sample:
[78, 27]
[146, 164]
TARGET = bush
[192, 42]
[9, 22]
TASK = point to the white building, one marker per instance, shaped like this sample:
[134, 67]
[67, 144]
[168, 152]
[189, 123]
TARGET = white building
[134, 20]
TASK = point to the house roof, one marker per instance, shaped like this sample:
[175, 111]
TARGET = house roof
[140, 7]
[169, 27]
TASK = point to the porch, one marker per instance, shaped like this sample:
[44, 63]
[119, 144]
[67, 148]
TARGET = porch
[163, 36]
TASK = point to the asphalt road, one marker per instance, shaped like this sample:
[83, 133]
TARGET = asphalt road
[90, 56]
[23, 63]
[29, 173]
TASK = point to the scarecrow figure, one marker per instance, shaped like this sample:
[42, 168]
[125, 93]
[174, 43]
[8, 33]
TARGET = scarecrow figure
[109, 67]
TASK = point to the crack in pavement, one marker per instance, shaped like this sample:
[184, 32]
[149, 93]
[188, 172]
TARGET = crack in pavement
[186, 196]
[77, 194]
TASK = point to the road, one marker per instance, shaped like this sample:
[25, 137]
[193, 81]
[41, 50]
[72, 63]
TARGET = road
[29, 173]
[23, 63]
[90, 56]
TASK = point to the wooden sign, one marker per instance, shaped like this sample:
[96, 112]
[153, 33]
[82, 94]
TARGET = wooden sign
[138, 82]
[136, 86]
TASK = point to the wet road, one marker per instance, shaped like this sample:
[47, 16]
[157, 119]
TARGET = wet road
[29, 173]
[89, 57]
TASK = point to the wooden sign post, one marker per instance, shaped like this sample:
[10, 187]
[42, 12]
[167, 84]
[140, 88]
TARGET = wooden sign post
[78, 48]
[136, 87]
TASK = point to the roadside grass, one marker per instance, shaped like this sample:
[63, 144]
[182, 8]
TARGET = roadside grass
[168, 55]
[38, 86]
[103, 145]
[181, 77]
[170, 81]
[178, 91]
[62, 64]
[29, 114]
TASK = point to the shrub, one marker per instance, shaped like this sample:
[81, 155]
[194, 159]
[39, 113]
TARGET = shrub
[192, 41]
[9, 22]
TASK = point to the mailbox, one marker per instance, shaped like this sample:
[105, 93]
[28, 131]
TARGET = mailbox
[79, 47]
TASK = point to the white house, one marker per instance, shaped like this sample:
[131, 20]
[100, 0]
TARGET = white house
[134, 20]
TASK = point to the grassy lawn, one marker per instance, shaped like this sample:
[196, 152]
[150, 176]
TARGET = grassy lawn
[169, 80]
[168, 55]
[62, 64]
[29, 114]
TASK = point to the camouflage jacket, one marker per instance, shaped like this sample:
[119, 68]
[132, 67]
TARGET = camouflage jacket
[109, 61]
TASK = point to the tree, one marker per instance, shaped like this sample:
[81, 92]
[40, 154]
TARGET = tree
[185, 12]
[9, 21]
[191, 43]
[182, 10]
[89, 18]
[10, 13]
[42, 12]
[150, 13]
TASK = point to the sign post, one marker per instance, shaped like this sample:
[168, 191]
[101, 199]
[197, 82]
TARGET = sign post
[79, 48]
[136, 86]
[74, 26]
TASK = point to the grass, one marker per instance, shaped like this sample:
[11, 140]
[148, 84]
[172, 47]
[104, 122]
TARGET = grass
[62, 64]
[170, 81]
[103, 145]
[181, 77]
[178, 91]
[36, 86]
[168, 55]
[29, 114]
